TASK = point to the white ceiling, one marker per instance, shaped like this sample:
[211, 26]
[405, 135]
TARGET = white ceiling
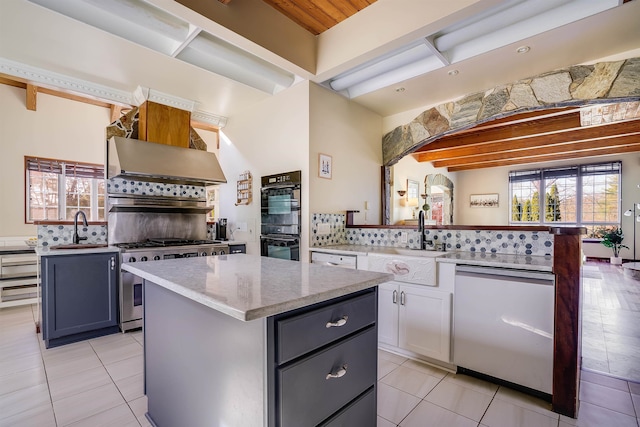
[38, 37]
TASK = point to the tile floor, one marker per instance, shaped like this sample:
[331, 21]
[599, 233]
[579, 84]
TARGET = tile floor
[99, 383]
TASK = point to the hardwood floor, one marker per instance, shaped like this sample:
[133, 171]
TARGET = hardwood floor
[611, 321]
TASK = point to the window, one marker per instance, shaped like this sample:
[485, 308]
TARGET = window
[57, 189]
[586, 196]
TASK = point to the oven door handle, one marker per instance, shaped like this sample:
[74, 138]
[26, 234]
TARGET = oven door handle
[280, 239]
[277, 186]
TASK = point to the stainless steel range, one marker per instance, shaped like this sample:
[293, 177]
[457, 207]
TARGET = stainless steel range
[151, 228]
[152, 250]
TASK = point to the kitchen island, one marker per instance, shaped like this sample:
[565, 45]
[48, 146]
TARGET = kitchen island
[245, 340]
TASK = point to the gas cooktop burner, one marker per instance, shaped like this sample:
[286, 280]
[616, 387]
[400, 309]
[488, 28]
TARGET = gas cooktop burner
[165, 242]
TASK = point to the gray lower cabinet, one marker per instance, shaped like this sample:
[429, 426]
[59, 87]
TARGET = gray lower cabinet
[79, 297]
[314, 366]
[325, 364]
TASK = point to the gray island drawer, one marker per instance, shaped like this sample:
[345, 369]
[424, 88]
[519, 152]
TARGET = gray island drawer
[360, 412]
[308, 396]
[300, 334]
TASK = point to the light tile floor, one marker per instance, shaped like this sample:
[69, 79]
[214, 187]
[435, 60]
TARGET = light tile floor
[99, 383]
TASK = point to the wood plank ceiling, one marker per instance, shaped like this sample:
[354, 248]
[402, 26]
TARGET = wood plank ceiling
[536, 137]
[316, 16]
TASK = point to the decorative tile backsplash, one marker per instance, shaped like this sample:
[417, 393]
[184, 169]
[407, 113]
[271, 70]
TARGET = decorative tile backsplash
[336, 232]
[127, 186]
[53, 235]
[501, 242]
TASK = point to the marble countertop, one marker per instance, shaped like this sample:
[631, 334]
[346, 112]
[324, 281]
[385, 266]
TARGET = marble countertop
[519, 262]
[249, 287]
[46, 250]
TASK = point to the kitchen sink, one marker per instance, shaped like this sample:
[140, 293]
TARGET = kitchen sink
[406, 265]
[414, 252]
[78, 246]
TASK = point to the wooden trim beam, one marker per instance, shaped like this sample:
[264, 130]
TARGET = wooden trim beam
[31, 97]
[116, 112]
[606, 151]
[204, 126]
[505, 131]
[566, 343]
[22, 83]
[589, 144]
[558, 137]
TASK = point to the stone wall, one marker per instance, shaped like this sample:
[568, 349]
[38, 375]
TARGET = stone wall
[577, 85]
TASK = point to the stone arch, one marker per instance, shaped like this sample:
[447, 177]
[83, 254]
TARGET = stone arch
[603, 82]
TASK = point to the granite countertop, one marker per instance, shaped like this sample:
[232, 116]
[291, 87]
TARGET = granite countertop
[518, 262]
[249, 287]
[46, 250]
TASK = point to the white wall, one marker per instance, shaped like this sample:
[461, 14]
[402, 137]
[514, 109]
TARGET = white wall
[59, 129]
[268, 138]
[351, 135]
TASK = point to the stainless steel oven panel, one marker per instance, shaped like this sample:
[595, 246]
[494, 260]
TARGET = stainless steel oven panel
[130, 301]
[139, 226]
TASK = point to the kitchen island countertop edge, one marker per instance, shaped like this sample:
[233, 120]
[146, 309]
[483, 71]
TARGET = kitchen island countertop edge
[249, 287]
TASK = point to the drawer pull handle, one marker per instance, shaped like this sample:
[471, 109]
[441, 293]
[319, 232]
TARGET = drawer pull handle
[395, 297]
[341, 373]
[338, 323]
[402, 298]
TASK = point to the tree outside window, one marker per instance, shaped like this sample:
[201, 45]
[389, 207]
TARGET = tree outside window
[586, 195]
[59, 188]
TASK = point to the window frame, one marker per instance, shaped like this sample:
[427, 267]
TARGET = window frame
[577, 171]
[63, 169]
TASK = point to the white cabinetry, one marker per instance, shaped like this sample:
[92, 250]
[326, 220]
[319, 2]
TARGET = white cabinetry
[18, 277]
[414, 310]
[415, 318]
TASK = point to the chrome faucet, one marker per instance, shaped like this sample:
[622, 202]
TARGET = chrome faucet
[76, 237]
[421, 229]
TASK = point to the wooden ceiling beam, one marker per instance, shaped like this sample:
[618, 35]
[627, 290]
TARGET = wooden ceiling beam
[552, 139]
[589, 144]
[31, 97]
[504, 132]
[606, 151]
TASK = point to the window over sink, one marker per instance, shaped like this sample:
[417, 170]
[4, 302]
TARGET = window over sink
[57, 189]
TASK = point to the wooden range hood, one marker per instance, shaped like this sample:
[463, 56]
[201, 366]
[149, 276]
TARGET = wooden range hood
[164, 125]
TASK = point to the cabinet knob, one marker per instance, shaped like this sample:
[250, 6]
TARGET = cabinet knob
[113, 263]
[340, 322]
[340, 373]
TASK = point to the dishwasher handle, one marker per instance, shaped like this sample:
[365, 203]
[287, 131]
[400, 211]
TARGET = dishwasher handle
[506, 272]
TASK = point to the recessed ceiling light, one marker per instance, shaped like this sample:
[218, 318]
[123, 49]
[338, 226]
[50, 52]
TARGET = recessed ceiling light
[453, 72]
[400, 89]
[523, 49]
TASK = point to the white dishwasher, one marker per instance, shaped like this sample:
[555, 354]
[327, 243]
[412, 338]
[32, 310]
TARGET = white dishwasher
[503, 324]
[324, 258]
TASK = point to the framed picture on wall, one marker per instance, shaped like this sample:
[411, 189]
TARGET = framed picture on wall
[484, 200]
[325, 168]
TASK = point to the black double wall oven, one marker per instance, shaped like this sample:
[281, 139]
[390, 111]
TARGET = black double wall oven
[280, 216]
